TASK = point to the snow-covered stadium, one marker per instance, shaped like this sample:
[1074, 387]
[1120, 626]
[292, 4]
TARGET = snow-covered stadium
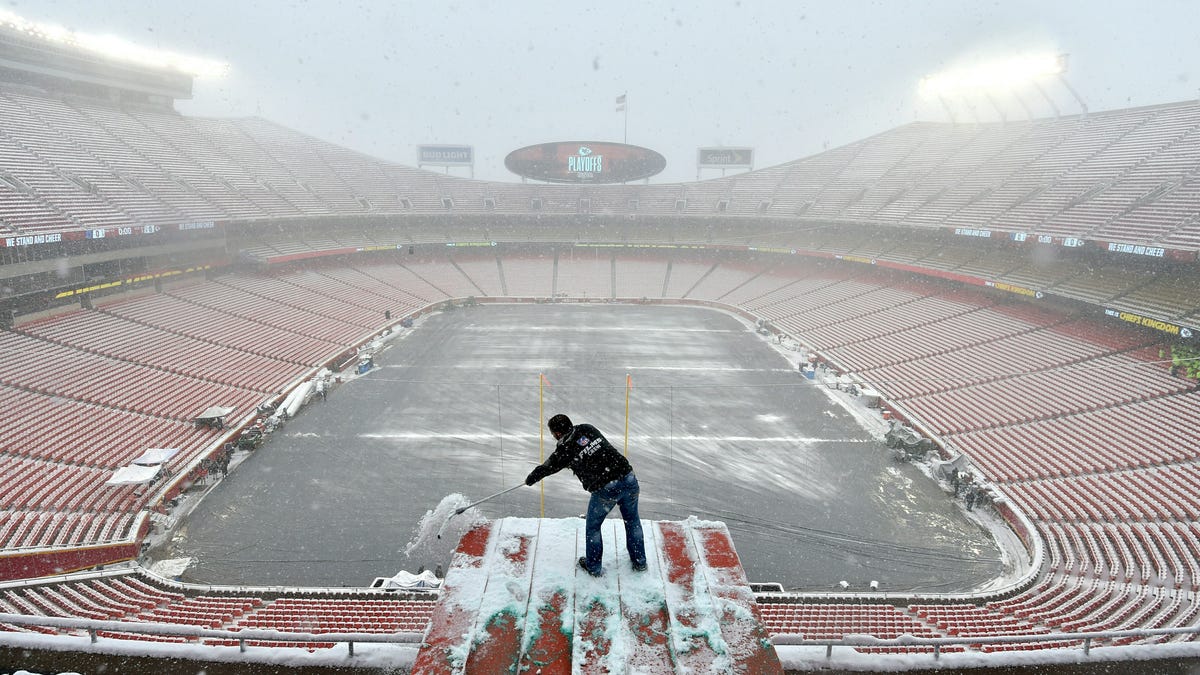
[1014, 304]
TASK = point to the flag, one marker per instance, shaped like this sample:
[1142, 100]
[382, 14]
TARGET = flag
[544, 380]
[621, 103]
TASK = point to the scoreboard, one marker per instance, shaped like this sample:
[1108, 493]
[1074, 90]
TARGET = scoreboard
[585, 162]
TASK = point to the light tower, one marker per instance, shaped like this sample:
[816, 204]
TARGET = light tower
[113, 48]
[1000, 78]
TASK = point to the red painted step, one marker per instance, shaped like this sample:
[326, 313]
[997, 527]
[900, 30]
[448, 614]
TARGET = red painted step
[592, 643]
[748, 642]
[693, 630]
[496, 645]
[644, 605]
[515, 601]
[453, 619]
[550, 619]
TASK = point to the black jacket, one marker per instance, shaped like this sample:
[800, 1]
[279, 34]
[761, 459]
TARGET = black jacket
[592, 458]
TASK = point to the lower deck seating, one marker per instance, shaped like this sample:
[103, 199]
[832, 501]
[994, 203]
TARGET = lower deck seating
[1099, 450]
[132, 597]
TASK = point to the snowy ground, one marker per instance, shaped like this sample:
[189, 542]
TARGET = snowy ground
[518, 599]
[721, 426]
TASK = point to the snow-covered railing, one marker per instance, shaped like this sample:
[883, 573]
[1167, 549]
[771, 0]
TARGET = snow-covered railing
[1051, 646]
[94, 626]
[125, 569]
[1083, 640]
[297, 591]
[133, 569]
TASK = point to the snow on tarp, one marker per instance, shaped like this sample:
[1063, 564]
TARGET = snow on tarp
[291, 404]
[408, 580]
[154, 456]
[133, 475]
[214, 412]
[172, 568]
[514, 599]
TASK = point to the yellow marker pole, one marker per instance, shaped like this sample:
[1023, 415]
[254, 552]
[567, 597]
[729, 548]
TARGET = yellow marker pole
[541, 440]
[628, 387]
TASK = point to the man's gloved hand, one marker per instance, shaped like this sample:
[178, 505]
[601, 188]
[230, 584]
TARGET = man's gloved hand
[535, 475]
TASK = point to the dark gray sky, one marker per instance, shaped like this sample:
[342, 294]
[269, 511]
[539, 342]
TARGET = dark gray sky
[785, 77]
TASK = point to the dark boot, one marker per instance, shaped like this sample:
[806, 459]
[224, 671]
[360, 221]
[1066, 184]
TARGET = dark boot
[583, 566]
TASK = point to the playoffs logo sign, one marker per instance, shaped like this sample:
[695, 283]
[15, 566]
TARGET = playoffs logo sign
[585, 162]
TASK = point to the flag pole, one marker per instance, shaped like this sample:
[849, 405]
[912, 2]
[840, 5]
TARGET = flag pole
[626, 106]
[623, 107]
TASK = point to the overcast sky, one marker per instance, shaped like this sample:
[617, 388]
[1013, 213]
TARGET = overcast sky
[787, 78]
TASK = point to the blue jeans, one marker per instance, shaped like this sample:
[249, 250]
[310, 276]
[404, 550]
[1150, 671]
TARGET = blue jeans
[623, 491]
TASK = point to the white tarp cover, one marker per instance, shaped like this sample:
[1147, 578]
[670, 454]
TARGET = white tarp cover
[404, 579]
[214, 412]
[154, 456]
[946, 469]
[171, 567]
[294, 400]
[133, 475]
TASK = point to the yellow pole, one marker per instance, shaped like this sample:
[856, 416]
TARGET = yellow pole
[541, 440]
[628, 386]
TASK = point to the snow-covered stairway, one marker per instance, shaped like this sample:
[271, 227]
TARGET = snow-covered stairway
[514, 601]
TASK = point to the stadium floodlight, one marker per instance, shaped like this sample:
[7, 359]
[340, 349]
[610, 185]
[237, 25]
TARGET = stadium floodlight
[1002, 75]
[114, 47]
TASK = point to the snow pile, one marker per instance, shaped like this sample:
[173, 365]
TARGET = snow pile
[408, 580]
[425, 547]
[171, 568]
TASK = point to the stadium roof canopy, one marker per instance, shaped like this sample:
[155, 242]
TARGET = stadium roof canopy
[30, 56]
